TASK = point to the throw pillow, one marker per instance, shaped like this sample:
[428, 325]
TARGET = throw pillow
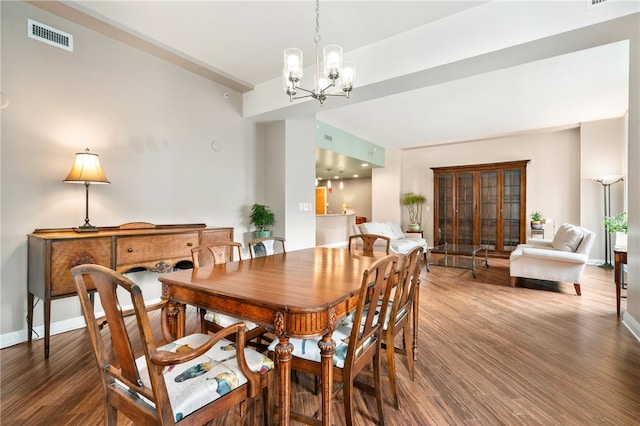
[567, 238]
[371, 228]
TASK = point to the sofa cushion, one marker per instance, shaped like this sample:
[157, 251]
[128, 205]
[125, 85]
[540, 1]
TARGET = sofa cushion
[567, 238]
[395, 230]
[379, 228]
[403, 246]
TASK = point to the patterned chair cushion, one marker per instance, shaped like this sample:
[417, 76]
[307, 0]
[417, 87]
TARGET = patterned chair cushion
[202, 380]
[348, 320]
[224, 320]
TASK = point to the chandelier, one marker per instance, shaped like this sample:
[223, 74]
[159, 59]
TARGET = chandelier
[334, 70]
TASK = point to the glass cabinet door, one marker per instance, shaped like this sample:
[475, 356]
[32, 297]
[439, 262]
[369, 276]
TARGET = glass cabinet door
[464, 208]
[511, 206]
[445, 210]
[489, 209]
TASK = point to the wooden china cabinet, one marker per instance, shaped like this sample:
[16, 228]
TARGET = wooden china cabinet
[481, 204]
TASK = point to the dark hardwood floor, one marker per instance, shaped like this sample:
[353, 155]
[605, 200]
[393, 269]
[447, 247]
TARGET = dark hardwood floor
[489, 354]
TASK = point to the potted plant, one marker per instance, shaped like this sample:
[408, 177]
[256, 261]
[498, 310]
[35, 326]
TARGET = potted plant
[618, 225]
[537, 220]
[261, 217]
[414, 204]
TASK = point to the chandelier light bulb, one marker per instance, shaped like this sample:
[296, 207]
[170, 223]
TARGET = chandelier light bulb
[348, 76]
[293, 67]
[332, 61]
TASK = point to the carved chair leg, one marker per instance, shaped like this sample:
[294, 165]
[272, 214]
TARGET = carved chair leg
[577, 287]
[513, 281]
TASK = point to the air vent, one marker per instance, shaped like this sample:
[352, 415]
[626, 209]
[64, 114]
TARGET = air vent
[328, 138]
[596, 3]
[49, 35]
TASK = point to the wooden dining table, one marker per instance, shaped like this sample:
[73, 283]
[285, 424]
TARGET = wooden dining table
[299, 294]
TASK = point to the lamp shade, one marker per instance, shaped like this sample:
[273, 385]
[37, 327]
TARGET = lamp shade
[608, 179]
[86, 169]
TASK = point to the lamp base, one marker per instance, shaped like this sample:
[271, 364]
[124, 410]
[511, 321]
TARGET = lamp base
[86, 228]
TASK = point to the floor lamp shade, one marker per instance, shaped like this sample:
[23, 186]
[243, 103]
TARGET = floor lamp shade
[86, 170]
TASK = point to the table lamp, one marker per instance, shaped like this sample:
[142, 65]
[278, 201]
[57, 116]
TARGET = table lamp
[86, 169]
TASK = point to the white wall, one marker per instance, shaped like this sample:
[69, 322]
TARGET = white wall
[152, 124]
[299, 183]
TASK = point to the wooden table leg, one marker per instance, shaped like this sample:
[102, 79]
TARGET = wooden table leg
[416, 310]
[620, 259]
[283, 352]
[327, 347]
[174, 319]
[617, 272]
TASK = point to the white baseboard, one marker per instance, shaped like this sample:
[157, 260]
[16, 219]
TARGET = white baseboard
[632, 324]
[16, 337]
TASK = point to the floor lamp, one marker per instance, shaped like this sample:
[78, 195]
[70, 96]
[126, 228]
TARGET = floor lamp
[606, 182]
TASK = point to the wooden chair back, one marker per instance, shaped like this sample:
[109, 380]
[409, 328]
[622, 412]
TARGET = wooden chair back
[116, 360]
[402, 305]
[368, 241]
[216, 252]
[266, 246]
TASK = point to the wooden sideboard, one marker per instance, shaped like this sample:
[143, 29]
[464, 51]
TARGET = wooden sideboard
[133, 246]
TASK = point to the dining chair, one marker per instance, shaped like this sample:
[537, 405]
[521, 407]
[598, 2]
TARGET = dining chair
[188, 381]
[358, 342]
[368, 242]
[217, 253]
[266, 246]
[401, 305]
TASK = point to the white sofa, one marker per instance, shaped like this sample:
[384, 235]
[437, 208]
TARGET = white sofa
[562, 259]
[401, 243]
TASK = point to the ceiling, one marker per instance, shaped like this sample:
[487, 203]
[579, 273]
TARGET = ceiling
[240, 43]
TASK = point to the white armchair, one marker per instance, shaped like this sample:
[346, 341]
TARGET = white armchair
[562, 259]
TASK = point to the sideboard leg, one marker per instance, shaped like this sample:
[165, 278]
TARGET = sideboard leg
[47, 326]
[29, 316]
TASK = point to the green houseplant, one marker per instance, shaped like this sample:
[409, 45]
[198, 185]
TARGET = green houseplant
[536, 220]
[617, 225]
[261, 217]
[414, 203]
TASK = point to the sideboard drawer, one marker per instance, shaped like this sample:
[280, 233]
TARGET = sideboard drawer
[67, 254]
[142, 249]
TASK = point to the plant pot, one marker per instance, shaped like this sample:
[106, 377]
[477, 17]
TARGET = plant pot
[260, 234]
[414, 227]
[537, 225]
[620, 240]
